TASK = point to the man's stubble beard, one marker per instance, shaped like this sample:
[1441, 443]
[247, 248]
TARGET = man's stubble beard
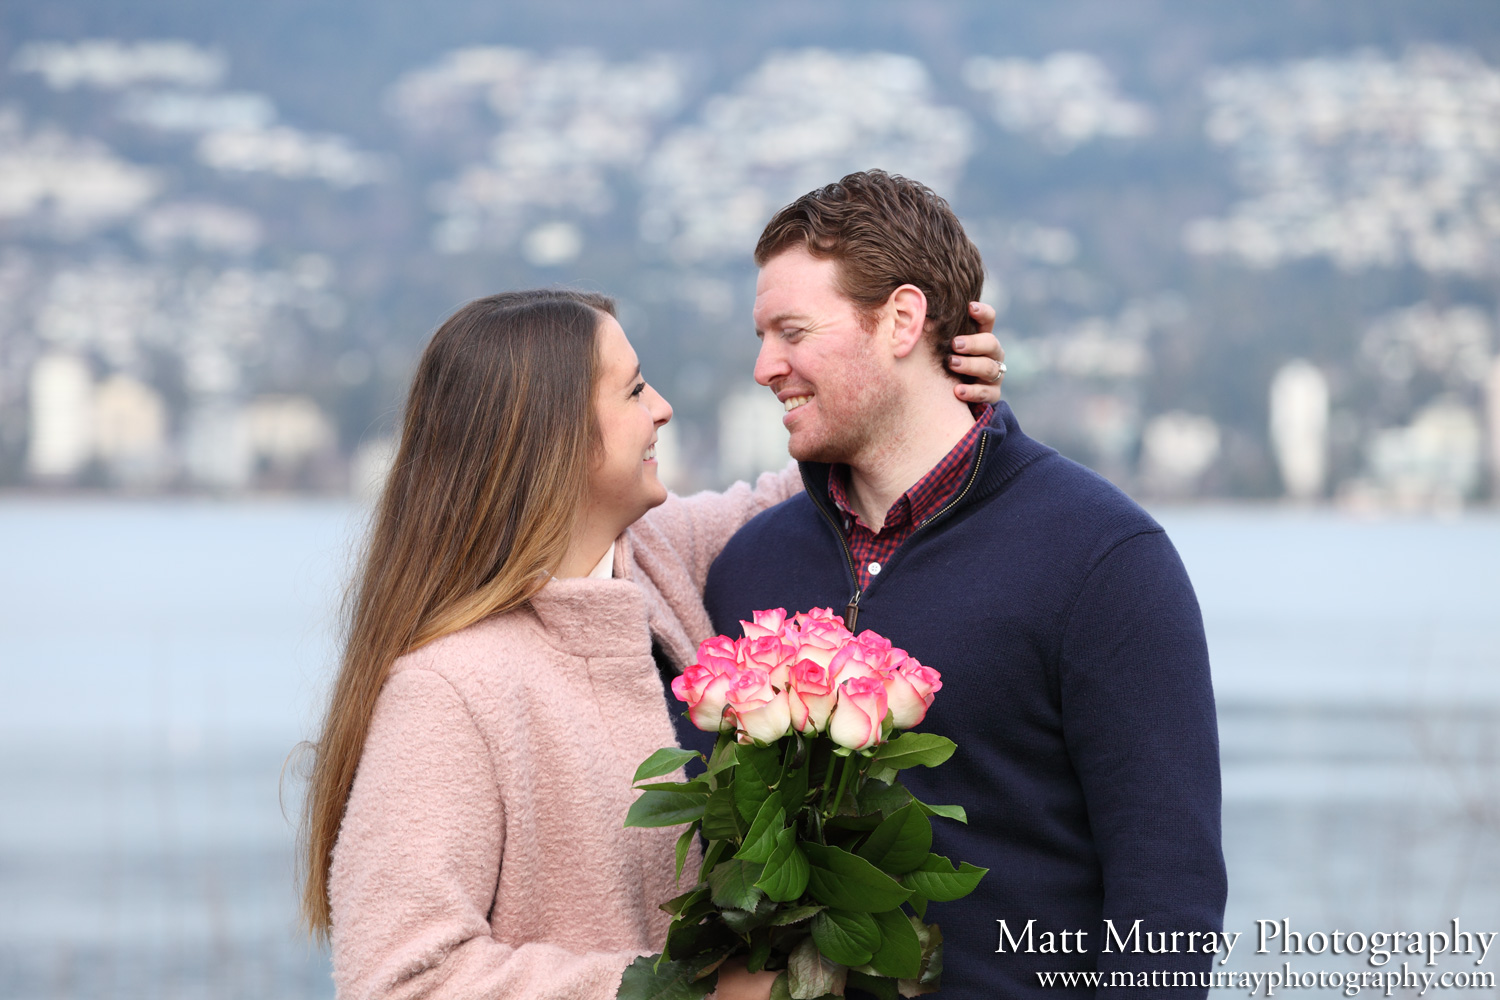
[862, 418]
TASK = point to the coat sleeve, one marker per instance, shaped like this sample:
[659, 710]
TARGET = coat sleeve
[417, 863]
[698, 527]
[1140, 726]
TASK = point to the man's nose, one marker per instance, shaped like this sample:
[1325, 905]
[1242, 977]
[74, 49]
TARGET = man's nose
[770, 363]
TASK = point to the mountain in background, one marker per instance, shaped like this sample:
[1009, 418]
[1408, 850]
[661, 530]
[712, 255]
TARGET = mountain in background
[1244, 252]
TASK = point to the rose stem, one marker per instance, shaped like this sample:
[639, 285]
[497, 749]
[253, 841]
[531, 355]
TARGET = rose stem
[843, 784]
[828, 780]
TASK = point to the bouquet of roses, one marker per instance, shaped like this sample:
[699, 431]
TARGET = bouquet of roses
[818, 862]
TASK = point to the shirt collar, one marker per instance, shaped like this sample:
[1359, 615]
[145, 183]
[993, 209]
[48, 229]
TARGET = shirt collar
[928, 493]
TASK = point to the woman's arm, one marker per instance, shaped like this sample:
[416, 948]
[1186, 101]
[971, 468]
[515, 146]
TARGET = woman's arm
[417, 863]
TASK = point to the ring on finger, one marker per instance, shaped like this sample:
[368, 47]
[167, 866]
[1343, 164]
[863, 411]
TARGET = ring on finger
[999, 373]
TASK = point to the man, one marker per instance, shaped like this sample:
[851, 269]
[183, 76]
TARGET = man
[1075, 671]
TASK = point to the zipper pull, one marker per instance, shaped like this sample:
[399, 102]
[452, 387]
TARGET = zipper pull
[851, 612]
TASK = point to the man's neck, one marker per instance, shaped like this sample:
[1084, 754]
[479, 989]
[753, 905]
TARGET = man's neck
[916, 440]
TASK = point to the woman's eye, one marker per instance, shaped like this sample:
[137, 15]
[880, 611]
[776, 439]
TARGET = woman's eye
[640, 388]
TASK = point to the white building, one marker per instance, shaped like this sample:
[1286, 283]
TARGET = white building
[1177, 448]
[130, 430]
[1435, 461]
[752, 438]
[1299, 428]
[62, 423]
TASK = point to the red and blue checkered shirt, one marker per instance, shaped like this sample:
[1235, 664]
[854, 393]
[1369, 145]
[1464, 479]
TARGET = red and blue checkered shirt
[871, 549]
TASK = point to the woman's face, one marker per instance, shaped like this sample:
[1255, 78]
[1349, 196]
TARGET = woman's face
[623, 483]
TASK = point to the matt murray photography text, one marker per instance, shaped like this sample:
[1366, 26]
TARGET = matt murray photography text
[1271, 935]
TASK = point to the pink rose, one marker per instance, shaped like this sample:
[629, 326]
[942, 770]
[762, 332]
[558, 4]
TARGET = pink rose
[858, 715]
[766, 623]
[822, 616]
[705, 684]
[817, 640]
[869, 655]
[770, 653]
[759, 707]
[719, 654]
[910, 690]
[706, 692]
[811, 696]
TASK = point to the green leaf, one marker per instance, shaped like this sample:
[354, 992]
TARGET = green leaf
[698, 787]
[932, 962]
[879, 772]
[749, 793]
[793, 789]
[764, 762]
[723, 758]
[841, 879]
[796, 914]
[810, 975]
[900, 843]
[688, 939]
[780, 990]
[664, 761]
[855, 825]
[918, 903]
[931, 936]
[721, 820]
[913, 750]
[877, 986]
[711, 857]
[685, 842]
[882, 797]
[786, 872]
[759, 769]
[949, 812]
[678, 905]
[940, 882]
[760, 841]
[643, 980]
[900, 953]
[733, 884]
[847, 937]
[760, 950]
[665, 808]
[745, 921]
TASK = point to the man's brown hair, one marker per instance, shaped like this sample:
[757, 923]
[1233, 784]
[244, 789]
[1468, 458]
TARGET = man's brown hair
[885, 231]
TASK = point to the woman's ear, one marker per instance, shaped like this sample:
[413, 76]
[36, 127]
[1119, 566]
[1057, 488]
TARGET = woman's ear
[908, 305]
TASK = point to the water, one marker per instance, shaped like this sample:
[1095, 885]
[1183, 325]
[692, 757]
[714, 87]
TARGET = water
[160, 659]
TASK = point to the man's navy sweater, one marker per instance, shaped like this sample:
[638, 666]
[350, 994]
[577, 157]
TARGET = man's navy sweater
[1076, 684]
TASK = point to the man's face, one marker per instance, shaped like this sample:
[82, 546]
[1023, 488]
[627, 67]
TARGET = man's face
[822, 364]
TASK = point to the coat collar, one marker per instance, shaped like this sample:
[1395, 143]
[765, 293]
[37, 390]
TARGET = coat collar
[594, 618]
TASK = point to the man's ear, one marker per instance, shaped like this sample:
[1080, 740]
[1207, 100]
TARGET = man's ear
[908, 306]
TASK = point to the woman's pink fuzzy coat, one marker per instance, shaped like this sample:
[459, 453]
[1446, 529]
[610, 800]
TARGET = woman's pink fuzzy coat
[482, 854]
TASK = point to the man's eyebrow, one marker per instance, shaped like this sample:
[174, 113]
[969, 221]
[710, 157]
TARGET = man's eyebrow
[777, 320]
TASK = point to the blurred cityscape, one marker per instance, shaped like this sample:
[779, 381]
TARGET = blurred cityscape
[1224, 267]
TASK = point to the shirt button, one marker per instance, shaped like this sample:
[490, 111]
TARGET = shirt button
[874, 569]
[847, 524]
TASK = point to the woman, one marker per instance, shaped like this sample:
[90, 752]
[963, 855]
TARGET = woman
[498, 684]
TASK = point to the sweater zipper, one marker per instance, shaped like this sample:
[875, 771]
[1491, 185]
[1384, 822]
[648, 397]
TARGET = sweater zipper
[973, 475]
[851, 610]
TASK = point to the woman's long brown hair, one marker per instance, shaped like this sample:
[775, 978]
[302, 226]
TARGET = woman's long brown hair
[496, 444]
